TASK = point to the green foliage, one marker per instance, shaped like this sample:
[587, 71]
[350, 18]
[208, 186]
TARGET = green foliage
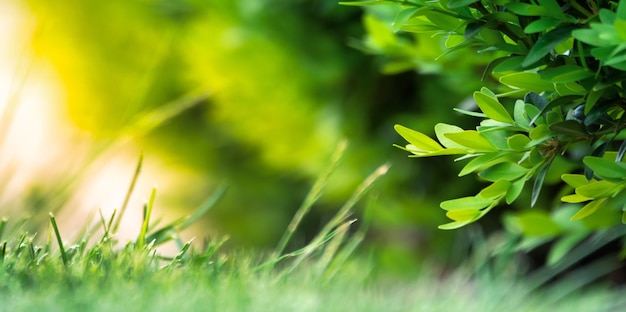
[559, 95]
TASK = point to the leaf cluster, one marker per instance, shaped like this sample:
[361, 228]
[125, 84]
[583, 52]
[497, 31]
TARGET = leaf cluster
[560, 92]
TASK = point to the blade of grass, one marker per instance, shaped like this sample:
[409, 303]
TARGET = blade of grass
[313, 195]
[355, 240]
[3, 224]
[343, 213]
[163, 234]
[59, 240]
[333, 246]
[308, 249]
[133, 182]
[146, 219]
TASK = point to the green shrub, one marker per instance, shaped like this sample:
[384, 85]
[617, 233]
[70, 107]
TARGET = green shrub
[555, 107]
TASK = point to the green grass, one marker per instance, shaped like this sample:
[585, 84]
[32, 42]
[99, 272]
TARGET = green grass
[94, 272]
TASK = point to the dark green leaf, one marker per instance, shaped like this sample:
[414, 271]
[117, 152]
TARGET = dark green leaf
[546, 43]
[539, 183]
[621, 152]
[472, 29]
[605, 168]
[565, 73]
[569, 127]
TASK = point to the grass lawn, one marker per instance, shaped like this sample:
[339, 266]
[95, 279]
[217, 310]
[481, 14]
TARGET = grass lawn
[97, 273]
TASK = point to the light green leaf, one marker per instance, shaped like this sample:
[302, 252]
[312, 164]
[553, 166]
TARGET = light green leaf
[520, 116]
[528, 81]
[463, 214]
[507, 171]
[472, 140]
[420, 153]
[366, 3]
[574, 180]
[541, 132]
[597, 189]
[420, 141]
[492, 108]
[518, 142]
[483, 161]
[575, 198]
[496, 190]
[441, 129]
[515, 190]
[464, 203]
[453, 225]
[588, 209]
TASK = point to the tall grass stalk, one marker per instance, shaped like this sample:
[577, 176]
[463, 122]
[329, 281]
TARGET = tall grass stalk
[312, 197]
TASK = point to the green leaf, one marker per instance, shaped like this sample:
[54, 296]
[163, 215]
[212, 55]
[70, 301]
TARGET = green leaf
[537, 223]
[419, 140]
[453, 225]
[540, 133]
[464, 203]
[588, 209]
[470, 113]
[511, 63]
[546, 43]
[472, 140]
[496, 190]
[574, 180]
[443, 21]
[453, 4]
[515, 190]
[606, 169]
[492, 108]
[441, 129]
[575, 198]
[528, 81]
[518, 142]
[402, 17]
[463, 214]
[621, 10]
[539, 184]
[561, 247]
[483, 161]
[592, 98]
[597, 189]
[366, 3]
[519, 115]
[565, 73]
[569, 127]
[507, 171]
[541, 25]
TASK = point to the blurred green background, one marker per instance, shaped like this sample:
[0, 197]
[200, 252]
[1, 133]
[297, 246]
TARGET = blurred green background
[255, 94]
